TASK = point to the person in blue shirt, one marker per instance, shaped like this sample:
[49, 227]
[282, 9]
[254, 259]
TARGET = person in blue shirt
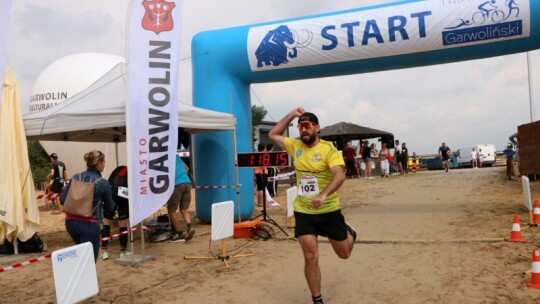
[509, 154]
[87, 229]
[180, 199]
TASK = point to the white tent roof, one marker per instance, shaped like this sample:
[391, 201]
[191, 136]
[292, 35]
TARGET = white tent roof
[98, 114]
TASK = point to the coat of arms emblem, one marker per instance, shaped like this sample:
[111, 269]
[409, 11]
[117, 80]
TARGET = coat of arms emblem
[157, 16]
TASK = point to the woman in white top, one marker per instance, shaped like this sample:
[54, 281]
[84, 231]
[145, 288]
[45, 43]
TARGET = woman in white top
[383, 159]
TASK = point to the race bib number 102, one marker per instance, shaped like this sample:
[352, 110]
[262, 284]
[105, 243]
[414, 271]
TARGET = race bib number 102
[309, 186]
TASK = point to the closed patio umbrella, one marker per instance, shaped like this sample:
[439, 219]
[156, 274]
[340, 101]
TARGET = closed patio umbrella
[19, 216]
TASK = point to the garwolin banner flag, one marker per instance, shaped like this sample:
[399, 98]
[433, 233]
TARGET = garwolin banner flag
[152, 119]
[5, 9]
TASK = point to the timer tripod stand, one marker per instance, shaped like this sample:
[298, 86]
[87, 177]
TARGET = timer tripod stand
[264, 214]
[264, 159]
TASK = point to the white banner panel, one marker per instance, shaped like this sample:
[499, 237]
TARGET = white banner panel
[222, 220]
[74, 271]
[152, 125]
[5, 10]
[386, 31]
[527, 200]
[291, 195]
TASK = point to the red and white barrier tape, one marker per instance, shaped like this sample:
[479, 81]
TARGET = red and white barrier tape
[31, 261]
[214, 187]
[48, 256]
[50, 195]
[54, 195]
[282, 176]
[123, 232]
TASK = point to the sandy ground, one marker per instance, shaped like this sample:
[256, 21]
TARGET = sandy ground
[429, 237]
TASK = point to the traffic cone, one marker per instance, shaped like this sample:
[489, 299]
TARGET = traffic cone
[535, 272]
[536, 212]
[515, 235]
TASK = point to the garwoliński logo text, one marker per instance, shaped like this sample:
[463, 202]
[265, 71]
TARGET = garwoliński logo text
[491, 19]
[157, 15]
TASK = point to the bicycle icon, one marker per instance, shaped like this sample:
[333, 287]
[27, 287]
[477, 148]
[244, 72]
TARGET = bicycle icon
[496, 15]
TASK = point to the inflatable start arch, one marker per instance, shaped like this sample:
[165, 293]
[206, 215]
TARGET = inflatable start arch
[384, 37]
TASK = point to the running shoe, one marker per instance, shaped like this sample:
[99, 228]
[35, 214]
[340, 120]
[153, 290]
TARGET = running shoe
[104, 256]
[179, 237]
[352, 231]
[125, 254]
[190, 233]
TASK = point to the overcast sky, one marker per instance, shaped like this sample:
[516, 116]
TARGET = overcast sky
[463, 104]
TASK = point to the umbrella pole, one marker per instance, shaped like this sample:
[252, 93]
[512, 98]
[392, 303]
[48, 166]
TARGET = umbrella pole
[16, 245]
[116, 151]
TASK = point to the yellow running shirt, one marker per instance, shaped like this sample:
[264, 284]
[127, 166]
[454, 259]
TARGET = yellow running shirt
[313, 174]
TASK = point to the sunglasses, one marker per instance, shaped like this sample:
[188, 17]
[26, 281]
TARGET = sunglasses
[305, 125]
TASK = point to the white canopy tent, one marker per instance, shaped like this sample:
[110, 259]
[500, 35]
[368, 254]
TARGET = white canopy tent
[98, 114]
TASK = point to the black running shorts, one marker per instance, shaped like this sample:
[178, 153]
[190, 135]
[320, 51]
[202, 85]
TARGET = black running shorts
[331, 225]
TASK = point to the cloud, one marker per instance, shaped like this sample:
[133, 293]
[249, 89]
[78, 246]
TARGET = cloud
[463, 103]
[43, 32]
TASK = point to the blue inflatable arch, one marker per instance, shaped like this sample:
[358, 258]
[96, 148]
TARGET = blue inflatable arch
[377, 38]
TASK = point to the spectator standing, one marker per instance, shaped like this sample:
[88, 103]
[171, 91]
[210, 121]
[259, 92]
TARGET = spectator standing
[180, 199]
[480, 158]
[86, 229]
[474, 157]
[261, 177]
[404, 158]
[374, 151]
[397, 157]
[383, 159]
[366, 156]
[414, 162]
[119, 187]
[349, 154]
[509, 154]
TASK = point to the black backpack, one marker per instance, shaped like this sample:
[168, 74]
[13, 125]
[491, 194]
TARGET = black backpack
[32, 245]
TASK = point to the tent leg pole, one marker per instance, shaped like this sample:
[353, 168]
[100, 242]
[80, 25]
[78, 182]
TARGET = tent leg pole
[142, 246]
[116, 151]
[235, 162]
[131, 244]
[237, 188]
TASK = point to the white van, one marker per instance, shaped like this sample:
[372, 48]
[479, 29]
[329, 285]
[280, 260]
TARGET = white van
[465, 159]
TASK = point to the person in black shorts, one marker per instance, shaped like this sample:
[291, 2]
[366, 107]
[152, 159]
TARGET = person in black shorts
[404, 158]
[261, 177]
[58, 176]
[397, 157]
[319, 174]
[118, 181]
[444, 153]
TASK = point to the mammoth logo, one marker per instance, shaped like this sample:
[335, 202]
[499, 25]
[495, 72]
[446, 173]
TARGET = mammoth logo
[157, 16]
[280, 44]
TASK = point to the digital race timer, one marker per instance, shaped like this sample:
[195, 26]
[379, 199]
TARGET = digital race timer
[263, 159]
